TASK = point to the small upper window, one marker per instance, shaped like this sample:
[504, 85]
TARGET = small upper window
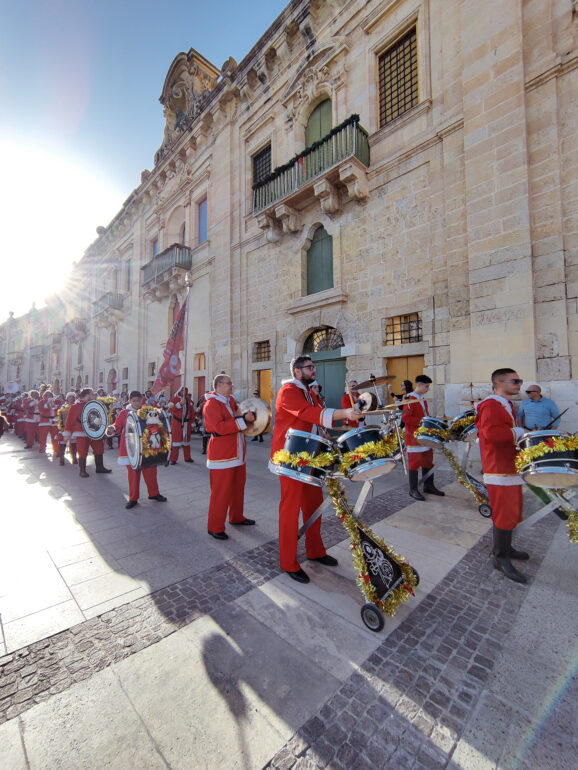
[202, 214]
[262, 164]
[398, 81]
[401, 329]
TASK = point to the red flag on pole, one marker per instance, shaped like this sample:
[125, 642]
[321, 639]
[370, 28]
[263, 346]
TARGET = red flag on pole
[171, 366]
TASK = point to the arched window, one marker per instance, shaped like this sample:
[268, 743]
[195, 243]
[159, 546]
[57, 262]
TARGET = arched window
[320, 262]
[319, 123]
[322, 339]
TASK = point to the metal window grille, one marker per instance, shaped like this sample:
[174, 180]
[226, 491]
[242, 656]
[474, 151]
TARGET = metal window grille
[125, 373]
[262, 351]
[398, 81]
[262, 164]
[152, 369]
[323, 339]
[401, 329]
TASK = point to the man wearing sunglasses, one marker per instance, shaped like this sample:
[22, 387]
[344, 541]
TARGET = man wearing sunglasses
[537, 412]
[297, 408]
[497, 431]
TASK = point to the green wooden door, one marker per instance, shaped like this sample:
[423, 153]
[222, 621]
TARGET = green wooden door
[319, 123]
[320, 262]
[331, 377]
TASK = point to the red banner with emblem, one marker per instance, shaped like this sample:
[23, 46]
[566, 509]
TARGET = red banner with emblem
[170, 369]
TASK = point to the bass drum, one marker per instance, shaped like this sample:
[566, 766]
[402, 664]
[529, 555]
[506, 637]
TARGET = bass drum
[148, 441]
[94, 419]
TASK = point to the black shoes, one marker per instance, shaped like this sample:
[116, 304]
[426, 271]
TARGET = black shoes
[131, 504]
[300, 576]
[503, 552]
[416, 494]
[506, 567]
[520, 555]
[158, 498]
[173, 462]
[246, 522]
[218, 535]
[329, 561]
[190, 460]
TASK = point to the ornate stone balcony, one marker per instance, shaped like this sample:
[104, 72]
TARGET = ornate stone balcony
[333, 170]
[37, 351]
[166, 272]
[108, 309]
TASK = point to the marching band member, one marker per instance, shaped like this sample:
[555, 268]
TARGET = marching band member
[346, 402]
[31, 418]
[182, 412]
[149, 474]
[61, 438]
[418, 456]
[497, 431]
[296, 408]
[48, 406]
[73, 429]
[226, 458]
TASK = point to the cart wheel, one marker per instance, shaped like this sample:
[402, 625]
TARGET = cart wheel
[416, 576]
[485, 510]
[372, 617]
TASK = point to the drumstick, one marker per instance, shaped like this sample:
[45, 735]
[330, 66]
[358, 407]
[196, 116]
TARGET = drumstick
[350, 395]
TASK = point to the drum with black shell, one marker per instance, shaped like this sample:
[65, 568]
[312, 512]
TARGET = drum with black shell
[148, 439]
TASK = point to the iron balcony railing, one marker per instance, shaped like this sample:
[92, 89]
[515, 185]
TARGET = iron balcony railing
[109, 301]
[176, 255]
[348, 140]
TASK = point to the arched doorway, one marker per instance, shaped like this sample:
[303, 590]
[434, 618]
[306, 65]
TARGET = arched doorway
[324, 346]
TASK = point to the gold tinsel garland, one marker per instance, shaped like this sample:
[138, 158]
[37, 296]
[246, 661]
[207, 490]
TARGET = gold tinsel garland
[61, 416]
[108, 401]
[437, 432]
[458, 425]
[461, 477]
[400, 594]
[165, 446]
[304, 459]
[557, 444]
[376, 449]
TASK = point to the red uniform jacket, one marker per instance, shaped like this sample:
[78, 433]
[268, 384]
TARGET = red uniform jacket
[346, 404]
[497, 433]
[295, 408]
[412, 416]
[73, 425]
[227, 448]
[119, 426]
[30, 409]
[48, 413]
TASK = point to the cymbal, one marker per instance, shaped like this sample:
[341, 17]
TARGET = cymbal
[262, 412]
[473, 401]
[376, 381]
[391, 407]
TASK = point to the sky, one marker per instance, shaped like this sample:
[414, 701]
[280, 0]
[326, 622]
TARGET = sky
[80, 116]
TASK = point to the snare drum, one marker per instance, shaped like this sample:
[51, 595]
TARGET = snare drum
[370, 466]
[435, 439]
[297, 441]
[554, 470]
[148, 441]
[463, 427]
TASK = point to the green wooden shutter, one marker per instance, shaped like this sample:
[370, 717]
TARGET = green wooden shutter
[319, 124]
[320, 262]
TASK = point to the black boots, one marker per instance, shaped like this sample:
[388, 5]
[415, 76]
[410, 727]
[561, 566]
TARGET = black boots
[98, 461]
[205, 444]
[428, 484]
[61, 450]
[503, 552]
[413, 488]
[82, 468]
[72, 450]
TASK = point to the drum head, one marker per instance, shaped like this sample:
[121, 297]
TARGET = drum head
[94, 419]
[133, 440]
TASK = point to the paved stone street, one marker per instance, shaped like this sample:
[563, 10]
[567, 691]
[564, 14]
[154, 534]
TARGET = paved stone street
[130, 639]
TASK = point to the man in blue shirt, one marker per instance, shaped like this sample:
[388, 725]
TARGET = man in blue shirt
[537, 412]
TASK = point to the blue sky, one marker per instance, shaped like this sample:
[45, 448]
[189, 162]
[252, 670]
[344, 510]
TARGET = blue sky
[80, 116]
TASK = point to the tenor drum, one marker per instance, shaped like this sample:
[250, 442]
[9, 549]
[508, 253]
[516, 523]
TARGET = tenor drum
[369, 465]
[297, 441]
[463, 427]
[94, 418]
[552, 469]
[432, 439]
[148, 441]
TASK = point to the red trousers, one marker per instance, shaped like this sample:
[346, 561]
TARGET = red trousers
[150, 477]
[227, 496]
[83, 443]
[186, 452]
[43, 431]
[19, 427]
[295, 497]
[417, 460]
[30, 429]
[506, 504]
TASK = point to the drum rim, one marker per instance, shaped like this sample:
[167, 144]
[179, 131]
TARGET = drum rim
[304, 478]
[135, 461]
[306, 434]
[437, 420]
[94, 403]
[360, 429]
[379, 462]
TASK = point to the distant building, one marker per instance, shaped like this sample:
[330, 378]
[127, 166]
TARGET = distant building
[390, 186]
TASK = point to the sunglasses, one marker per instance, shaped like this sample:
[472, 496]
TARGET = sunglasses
[515, 381]
[532, 391]
[309, 366]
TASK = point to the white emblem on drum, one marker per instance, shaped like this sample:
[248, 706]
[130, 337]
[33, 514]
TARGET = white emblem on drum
[154, 425]
[377, 563]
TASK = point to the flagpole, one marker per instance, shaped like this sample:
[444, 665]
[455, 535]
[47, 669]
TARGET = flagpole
[186, 335]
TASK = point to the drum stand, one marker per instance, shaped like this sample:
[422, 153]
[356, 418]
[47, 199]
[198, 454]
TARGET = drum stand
[553, 500]
[384, 570]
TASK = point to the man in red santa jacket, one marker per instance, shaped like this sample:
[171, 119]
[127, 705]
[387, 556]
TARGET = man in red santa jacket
[182, 411]
[418, 456]
[226, 457]
[497, 431]
[346, 402]
[48, 406]
[74, 431]
[31, 417]
[149, 474]
[296, 408]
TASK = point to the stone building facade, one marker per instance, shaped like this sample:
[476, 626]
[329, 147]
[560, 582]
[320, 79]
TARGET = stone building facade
[391, 185]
